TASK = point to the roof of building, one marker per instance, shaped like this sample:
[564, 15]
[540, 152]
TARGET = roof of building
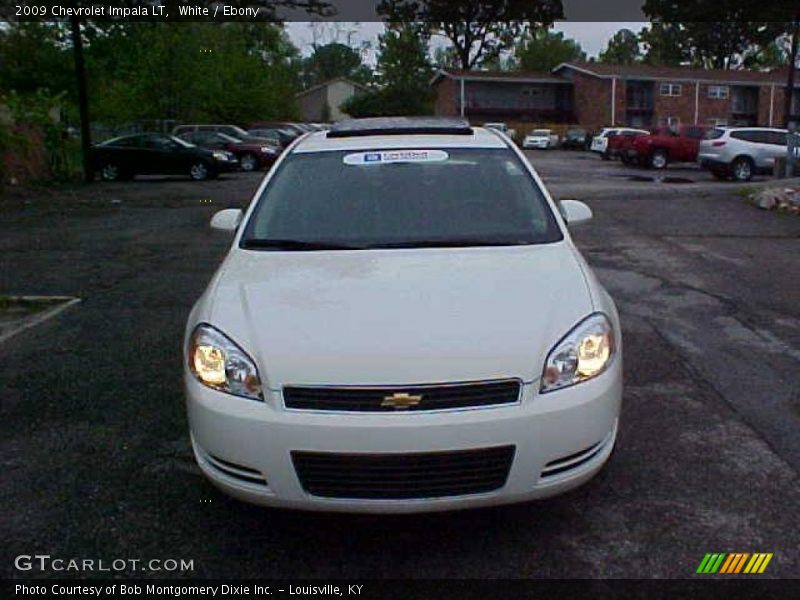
[511, 76]
[645, 72]
[329, 82]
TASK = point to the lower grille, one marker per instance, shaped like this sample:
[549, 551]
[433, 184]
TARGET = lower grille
[403, 476]
[412, 398]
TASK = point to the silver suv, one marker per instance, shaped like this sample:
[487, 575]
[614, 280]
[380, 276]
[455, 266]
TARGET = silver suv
[741, 152]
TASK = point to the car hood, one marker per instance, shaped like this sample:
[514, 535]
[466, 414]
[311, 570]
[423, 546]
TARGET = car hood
[398, 316]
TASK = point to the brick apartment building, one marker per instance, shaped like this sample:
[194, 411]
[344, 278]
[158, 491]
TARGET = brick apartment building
[596, 95]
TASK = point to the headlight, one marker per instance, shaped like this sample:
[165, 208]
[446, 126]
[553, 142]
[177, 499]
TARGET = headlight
[221, 155]
[267, 150]
[582, 354]
[217, 362]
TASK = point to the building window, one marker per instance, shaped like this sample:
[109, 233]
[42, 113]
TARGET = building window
[714, 122]
[670, 89]
[718, 92]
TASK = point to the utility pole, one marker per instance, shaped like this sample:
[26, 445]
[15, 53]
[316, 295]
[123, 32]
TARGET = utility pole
[83, 99]
[787, 101]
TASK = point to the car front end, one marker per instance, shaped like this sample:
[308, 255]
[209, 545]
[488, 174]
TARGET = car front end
[391, 376]
[223, 161]
[541, 142]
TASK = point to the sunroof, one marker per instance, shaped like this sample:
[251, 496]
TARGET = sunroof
[400, 126]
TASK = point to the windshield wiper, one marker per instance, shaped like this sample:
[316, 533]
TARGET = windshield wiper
[296, 245]
[452, 243]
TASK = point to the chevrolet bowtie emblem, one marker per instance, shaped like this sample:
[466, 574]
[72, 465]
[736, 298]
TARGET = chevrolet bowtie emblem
[401, 401]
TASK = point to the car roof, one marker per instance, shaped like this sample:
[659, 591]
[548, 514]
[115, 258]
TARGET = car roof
[744, 127]
[480, 137]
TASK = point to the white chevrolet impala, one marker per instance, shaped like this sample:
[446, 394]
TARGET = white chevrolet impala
[402, 323]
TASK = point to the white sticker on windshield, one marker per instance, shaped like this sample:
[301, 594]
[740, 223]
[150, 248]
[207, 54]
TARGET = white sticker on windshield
[395, 156]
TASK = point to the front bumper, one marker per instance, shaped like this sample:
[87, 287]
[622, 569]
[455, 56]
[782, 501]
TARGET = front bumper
[542, 145]
[226, 166]
[244, 447]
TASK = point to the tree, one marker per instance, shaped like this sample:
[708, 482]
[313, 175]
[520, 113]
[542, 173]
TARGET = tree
[445, 58]
[543, 50]
[716, 33]
[334, 60]
[403, 56]
[661, 45]
[622, 49]
[403, 74]
[33, 57]
[772, 56]
[478, 29]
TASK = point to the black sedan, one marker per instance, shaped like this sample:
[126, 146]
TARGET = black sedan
[577, 139]
[158, 154]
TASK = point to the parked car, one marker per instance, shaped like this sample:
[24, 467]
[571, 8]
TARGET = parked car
[282, 136]
[231, 130]
[620, 142]
[607, 144]
[158, 154]
[576, 139]
[741, 152]
[317, 374]
[251, 155]
[665, 145]
[540, 138]
[500, 126]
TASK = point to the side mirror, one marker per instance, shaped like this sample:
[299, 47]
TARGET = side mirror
[574, 211]
[227, 220]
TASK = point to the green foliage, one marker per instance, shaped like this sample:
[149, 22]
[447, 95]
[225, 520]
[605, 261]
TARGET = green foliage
[39, 112]
[663, 45]
[33, 57]
[543, 50]
[403, 56]
[334, 60]
[234, 72]
[771, 56]
[389, 102]
[478, 30]
[403, 72]
[622, 49]
[712, 33]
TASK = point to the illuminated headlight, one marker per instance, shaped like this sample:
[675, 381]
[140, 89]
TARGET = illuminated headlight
[267, 150]
[582, 354]
[217, 362]
[222, 155]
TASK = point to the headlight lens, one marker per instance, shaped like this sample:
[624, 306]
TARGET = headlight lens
[582, 354]
[222, 155]
[267, 150]
[217, 362]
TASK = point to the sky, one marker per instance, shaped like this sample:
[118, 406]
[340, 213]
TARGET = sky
[592, 36]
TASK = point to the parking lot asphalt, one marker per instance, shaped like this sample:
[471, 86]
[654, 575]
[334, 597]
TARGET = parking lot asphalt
[95, 449]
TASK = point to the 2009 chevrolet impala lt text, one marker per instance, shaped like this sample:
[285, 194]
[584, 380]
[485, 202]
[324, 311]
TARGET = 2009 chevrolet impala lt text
[402, 323]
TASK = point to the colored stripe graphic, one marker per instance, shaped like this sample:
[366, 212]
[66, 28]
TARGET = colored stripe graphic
[711, 562]
[734, 563]
[764, 564]
[727, 564]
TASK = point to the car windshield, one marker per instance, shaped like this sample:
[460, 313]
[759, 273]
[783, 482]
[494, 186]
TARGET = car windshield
[376, 199]
[229, 138]
[183, 143]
